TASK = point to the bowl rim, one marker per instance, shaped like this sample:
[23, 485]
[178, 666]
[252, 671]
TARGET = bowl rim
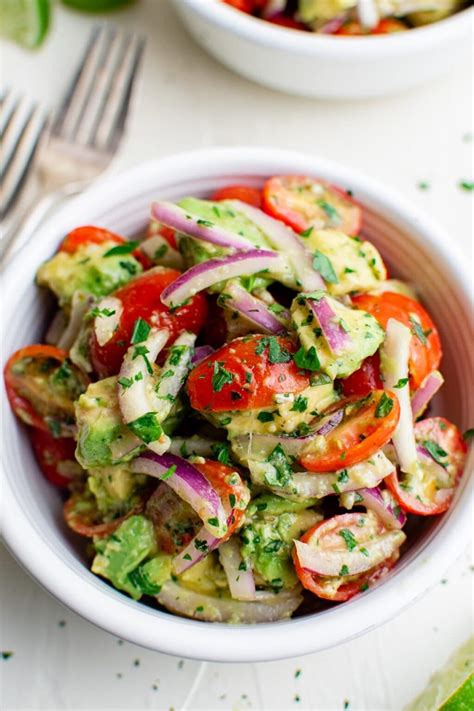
[72, 584]
[419, 39]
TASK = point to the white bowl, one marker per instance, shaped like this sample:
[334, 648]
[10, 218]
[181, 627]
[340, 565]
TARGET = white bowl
[321, 65]
[33, 526]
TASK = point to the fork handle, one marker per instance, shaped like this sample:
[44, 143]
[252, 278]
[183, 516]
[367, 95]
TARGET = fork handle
[30, 220]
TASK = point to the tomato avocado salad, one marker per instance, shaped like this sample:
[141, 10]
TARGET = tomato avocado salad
[234, 405]
[350, 18]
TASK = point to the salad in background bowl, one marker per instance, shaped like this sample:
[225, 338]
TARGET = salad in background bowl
[246, 446]
[382, 59]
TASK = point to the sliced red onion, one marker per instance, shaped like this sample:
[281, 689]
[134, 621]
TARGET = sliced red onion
[367, 13]
[190, 485]
[333, 25]
[80, 305]
[107, 320]
[200, 353]
[157, 248]
[252, 308]
[384, 506]
[309, 485]
[56, 328]
[195, 445]
[272, 8]
[204, 275]
[197, 549]
[137, 398]
[337, 338]
[330, 422]
[267, 607]
[174, 216]
[287, 242]
[173, 374]
[239, 574]
[330, 561]
[427, 390]
[394, 355]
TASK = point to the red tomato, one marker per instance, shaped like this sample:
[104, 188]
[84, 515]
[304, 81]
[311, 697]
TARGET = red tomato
[82, 517]
[365, 379]
[344, 587]
[304, 202]
[234, 496]
[97, 235]
[286, 21]
[141, 299]
[425, 347]
[244, 193]
[450, 448]
[243, 375]
[385, 27]
[56, 457]
[248, 6]
[42, 385]
[362, 432]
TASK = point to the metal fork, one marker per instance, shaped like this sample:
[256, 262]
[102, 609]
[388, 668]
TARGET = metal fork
[89, 125]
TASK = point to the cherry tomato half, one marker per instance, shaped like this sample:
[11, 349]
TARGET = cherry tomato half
[97, 235]
[287, 21]
[425, 347]
[42, 385]
[444, 442]
[82, 516]
[365, 379]
[244, 193]
[302, 203]
[248, 6]
[245, 374]
[367, 425]
[232, 490]
[141, 299]
[342, 588]
[56, 457]
[386, 26]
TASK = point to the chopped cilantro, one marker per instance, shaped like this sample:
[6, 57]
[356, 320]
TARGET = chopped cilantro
[466, 185]
[344, 570]
[221, 451]
[323, 265]
[273, 546]
[143, 351]
[401, 383]
[468, 435]
[147, 427]
[308, 232]
[423, 185]
[220, 377]
[276, 352]
[349, 538]
[205, 223]
[161, 251]
[308, 360]
[281, 475]
[126, 248]
[384, 407]
[436, 452]
[343, 477]
[141, 331]
[300, 404]
[125, 382]
[330, 211]
[265, 416]
[201, 545]
[129, 267]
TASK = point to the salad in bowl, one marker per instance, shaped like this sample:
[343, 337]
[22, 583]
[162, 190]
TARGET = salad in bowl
[235, 406]
[350, 17]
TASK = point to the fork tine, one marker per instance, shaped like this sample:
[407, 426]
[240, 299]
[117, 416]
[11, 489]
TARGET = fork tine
[16, 171]
[9, 108]
[76, 95]
[110, 128]
[12, 137]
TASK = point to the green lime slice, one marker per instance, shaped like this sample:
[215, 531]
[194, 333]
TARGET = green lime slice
[96, 5]
[450, 688]
[24, 21]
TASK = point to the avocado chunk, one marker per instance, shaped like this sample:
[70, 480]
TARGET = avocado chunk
[360, 334]
[120, 553]
[115, 488]
[267, 537]
[347, 264]
[88, 269]
[310, 11]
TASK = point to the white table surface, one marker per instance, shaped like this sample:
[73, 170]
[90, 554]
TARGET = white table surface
[185, 101]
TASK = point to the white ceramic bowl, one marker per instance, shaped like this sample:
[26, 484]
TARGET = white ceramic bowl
[33, 526]
[325, 66]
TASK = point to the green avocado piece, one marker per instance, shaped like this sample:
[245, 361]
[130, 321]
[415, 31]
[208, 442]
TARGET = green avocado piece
[276, 505]
[310, 11]
[115, 488]
[149, 577]
[88, 269]
[268, 538]
[99, 425]
[120, 553]
[364, 334]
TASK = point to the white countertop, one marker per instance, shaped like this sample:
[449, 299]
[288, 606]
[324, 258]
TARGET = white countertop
[186, 101]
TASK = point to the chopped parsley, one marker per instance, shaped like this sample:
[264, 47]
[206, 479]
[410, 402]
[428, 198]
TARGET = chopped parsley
[308, 232]
[96, 312]
[466, 185]
[129, 267]
[273, 546]
[168, 473]
[300, 404]
[161, 251]
[143, 351]
[276, 308]
[147, 427]
[344, 570]
[141, 331]
[125, 382]
[276, 352]
[221, 451]
[343, 477]
[205, 223]
[201, 545]
[401, 383]
[220, 377]
[323, 265]
[265, 417]
[280, 474]
[384, 406]
[418, 331]
[120, 249]
[330, 211]
[307, 359]
[349, 538]
[435, 451]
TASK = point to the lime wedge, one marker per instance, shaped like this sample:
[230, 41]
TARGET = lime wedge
[24, 21]
[96, 5]
[450, 688]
